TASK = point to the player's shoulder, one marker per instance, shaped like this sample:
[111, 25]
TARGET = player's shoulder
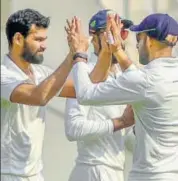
[3, 68]
[136, 75]
[5, 72]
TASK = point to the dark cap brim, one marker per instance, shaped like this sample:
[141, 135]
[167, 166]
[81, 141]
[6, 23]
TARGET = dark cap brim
[135, 28]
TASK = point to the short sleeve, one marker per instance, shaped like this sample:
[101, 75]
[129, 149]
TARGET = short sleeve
[9, 81]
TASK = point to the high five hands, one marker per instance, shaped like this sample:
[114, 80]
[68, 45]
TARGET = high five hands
[114, 32]
[78, 41]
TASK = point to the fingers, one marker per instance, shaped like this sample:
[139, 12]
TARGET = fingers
[104, 44]
[129, 110]
[115, 28]
[75, 37]
[172, 39]
[73, 26]
[67, 30]
[110, 39]
[69, 39]
[70, 27]
[114, 25]
[111, 24]
[118, 22]
[117, 19]
[78, 25]
[104, 37]
[108, 23]
[69, 24]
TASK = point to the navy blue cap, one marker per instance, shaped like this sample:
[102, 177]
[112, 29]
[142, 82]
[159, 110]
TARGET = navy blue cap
[98, 21]
[158, 26]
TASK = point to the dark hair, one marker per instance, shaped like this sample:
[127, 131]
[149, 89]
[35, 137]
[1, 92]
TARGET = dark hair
[22, 20]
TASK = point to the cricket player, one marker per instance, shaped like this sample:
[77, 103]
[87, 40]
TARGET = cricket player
[26, 88]
[151, 90]
[100, 144]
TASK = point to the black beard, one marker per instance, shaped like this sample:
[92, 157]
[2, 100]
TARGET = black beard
[30, 57]
[144, 55]
[144, 58]
[143, 61]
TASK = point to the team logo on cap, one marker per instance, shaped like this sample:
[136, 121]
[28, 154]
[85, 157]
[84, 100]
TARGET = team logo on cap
[93, 24]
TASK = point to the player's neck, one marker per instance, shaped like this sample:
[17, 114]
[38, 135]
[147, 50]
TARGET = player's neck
[161, 53]
[20, 62]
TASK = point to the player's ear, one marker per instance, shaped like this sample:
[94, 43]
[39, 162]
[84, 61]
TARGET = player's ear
[124, 34]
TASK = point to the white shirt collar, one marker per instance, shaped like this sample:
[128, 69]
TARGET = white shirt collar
[12, 66]
[162, 61]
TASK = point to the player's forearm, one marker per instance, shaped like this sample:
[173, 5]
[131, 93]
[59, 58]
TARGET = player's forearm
[68, 90]
[101, 69]
[122, 59]
[88, 129]
[52, 85]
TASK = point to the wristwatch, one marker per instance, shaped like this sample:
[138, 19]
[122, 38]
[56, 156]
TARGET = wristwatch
[80, 55]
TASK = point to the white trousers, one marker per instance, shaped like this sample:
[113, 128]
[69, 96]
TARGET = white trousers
[83, 172]
[7, 177]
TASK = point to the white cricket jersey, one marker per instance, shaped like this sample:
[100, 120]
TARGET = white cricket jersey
[153, 93]
[92, 128]
[22, 126]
